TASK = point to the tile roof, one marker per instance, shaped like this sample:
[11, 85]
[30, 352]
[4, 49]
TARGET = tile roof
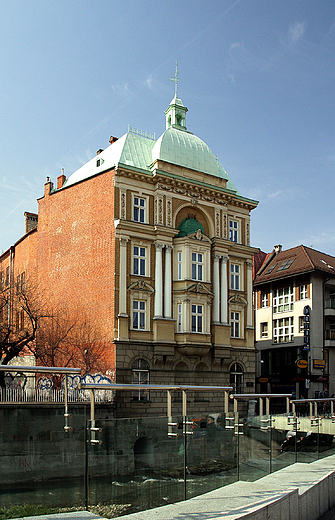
[298, 260]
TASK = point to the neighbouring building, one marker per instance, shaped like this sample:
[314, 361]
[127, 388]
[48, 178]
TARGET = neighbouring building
[151, 240]
[295, 322]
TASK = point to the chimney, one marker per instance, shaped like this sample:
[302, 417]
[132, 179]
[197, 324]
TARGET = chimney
[99, 151]
[113, 139]
[60, 180]
[48, 187]
[278, 248]
[31, 220]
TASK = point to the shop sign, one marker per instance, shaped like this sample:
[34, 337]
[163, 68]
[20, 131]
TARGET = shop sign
[306, 328]
[302, 363]
[319, 363]
[263, 380]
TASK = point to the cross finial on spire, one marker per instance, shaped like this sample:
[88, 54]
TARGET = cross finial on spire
[175, 79]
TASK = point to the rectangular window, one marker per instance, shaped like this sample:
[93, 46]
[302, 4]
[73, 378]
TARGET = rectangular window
[301, 324]
[139, 258]
[264, 300]
[235, 277]
[233, 230]
[197, 316]
[179, 265]
[283, 330]
[197, 266]
[303, 292]
[179, 317]
[283, 300]
[235, 324]
[139, 314]
[139, 209]
[264, 330]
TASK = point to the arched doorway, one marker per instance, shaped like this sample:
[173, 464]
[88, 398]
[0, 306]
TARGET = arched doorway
[143, 454]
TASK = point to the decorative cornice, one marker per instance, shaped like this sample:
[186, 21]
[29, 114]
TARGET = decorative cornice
[141, 285]
[200, 288]
[237, 298]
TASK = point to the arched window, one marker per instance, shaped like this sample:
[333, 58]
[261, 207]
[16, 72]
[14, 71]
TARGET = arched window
[236, 378]
[140, 375]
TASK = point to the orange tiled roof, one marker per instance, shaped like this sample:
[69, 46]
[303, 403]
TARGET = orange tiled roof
[294, 261]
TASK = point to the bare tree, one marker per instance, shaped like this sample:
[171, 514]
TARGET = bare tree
[54, 337]
[20, 314]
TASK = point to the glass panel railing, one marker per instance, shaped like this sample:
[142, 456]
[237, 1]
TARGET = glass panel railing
[40, 463]
[211, 453]
[135, 464]
[130, 465]
[255, 448]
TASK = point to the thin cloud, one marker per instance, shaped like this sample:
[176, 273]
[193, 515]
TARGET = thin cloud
[294, 35]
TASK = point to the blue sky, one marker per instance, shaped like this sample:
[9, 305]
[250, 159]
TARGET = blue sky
[257, 77]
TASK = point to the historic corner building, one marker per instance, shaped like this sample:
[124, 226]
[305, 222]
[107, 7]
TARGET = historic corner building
[295, 322]
[151, 239]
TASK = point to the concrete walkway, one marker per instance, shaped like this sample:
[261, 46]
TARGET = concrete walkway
[298, 492]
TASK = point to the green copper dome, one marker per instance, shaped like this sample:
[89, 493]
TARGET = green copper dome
[189, 226]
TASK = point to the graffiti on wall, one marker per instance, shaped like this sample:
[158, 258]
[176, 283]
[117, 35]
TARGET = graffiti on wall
[48, 384]
[15, 383]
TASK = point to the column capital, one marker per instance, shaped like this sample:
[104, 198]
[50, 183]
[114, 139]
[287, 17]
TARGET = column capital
[216, 257]
[159, 246]
[225, 259]
[123, 241]
[168, 247]
[250, 264]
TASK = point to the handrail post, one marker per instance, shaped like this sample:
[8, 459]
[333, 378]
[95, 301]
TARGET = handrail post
[67, 416]
[261, 406]
[267, 401]
[169, 404]
[315, 408]
[184, 403]
[226, 401]
[287, 405]
[235, 405]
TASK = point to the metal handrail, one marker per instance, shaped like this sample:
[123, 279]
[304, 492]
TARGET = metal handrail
[315, 401]
[48, 370]
[169, 388]
[237, 397]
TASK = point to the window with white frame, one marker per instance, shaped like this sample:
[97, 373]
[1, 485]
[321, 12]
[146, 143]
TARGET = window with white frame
[264, 329]
[283, 330]
[140, 374]
[197, 318]
[197, 266]
[235, 272]
[179, 256]
[139, 260]
[301, 324]
[264, 300]
[283, 299]
[233, 230]
[140, 209]
[303, 290]
[139, 314]
[179, 317]
[235, 324]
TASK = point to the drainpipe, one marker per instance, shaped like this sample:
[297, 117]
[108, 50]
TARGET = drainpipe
[10, 282]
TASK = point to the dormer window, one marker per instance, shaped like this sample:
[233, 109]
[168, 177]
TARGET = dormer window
[99, 162]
